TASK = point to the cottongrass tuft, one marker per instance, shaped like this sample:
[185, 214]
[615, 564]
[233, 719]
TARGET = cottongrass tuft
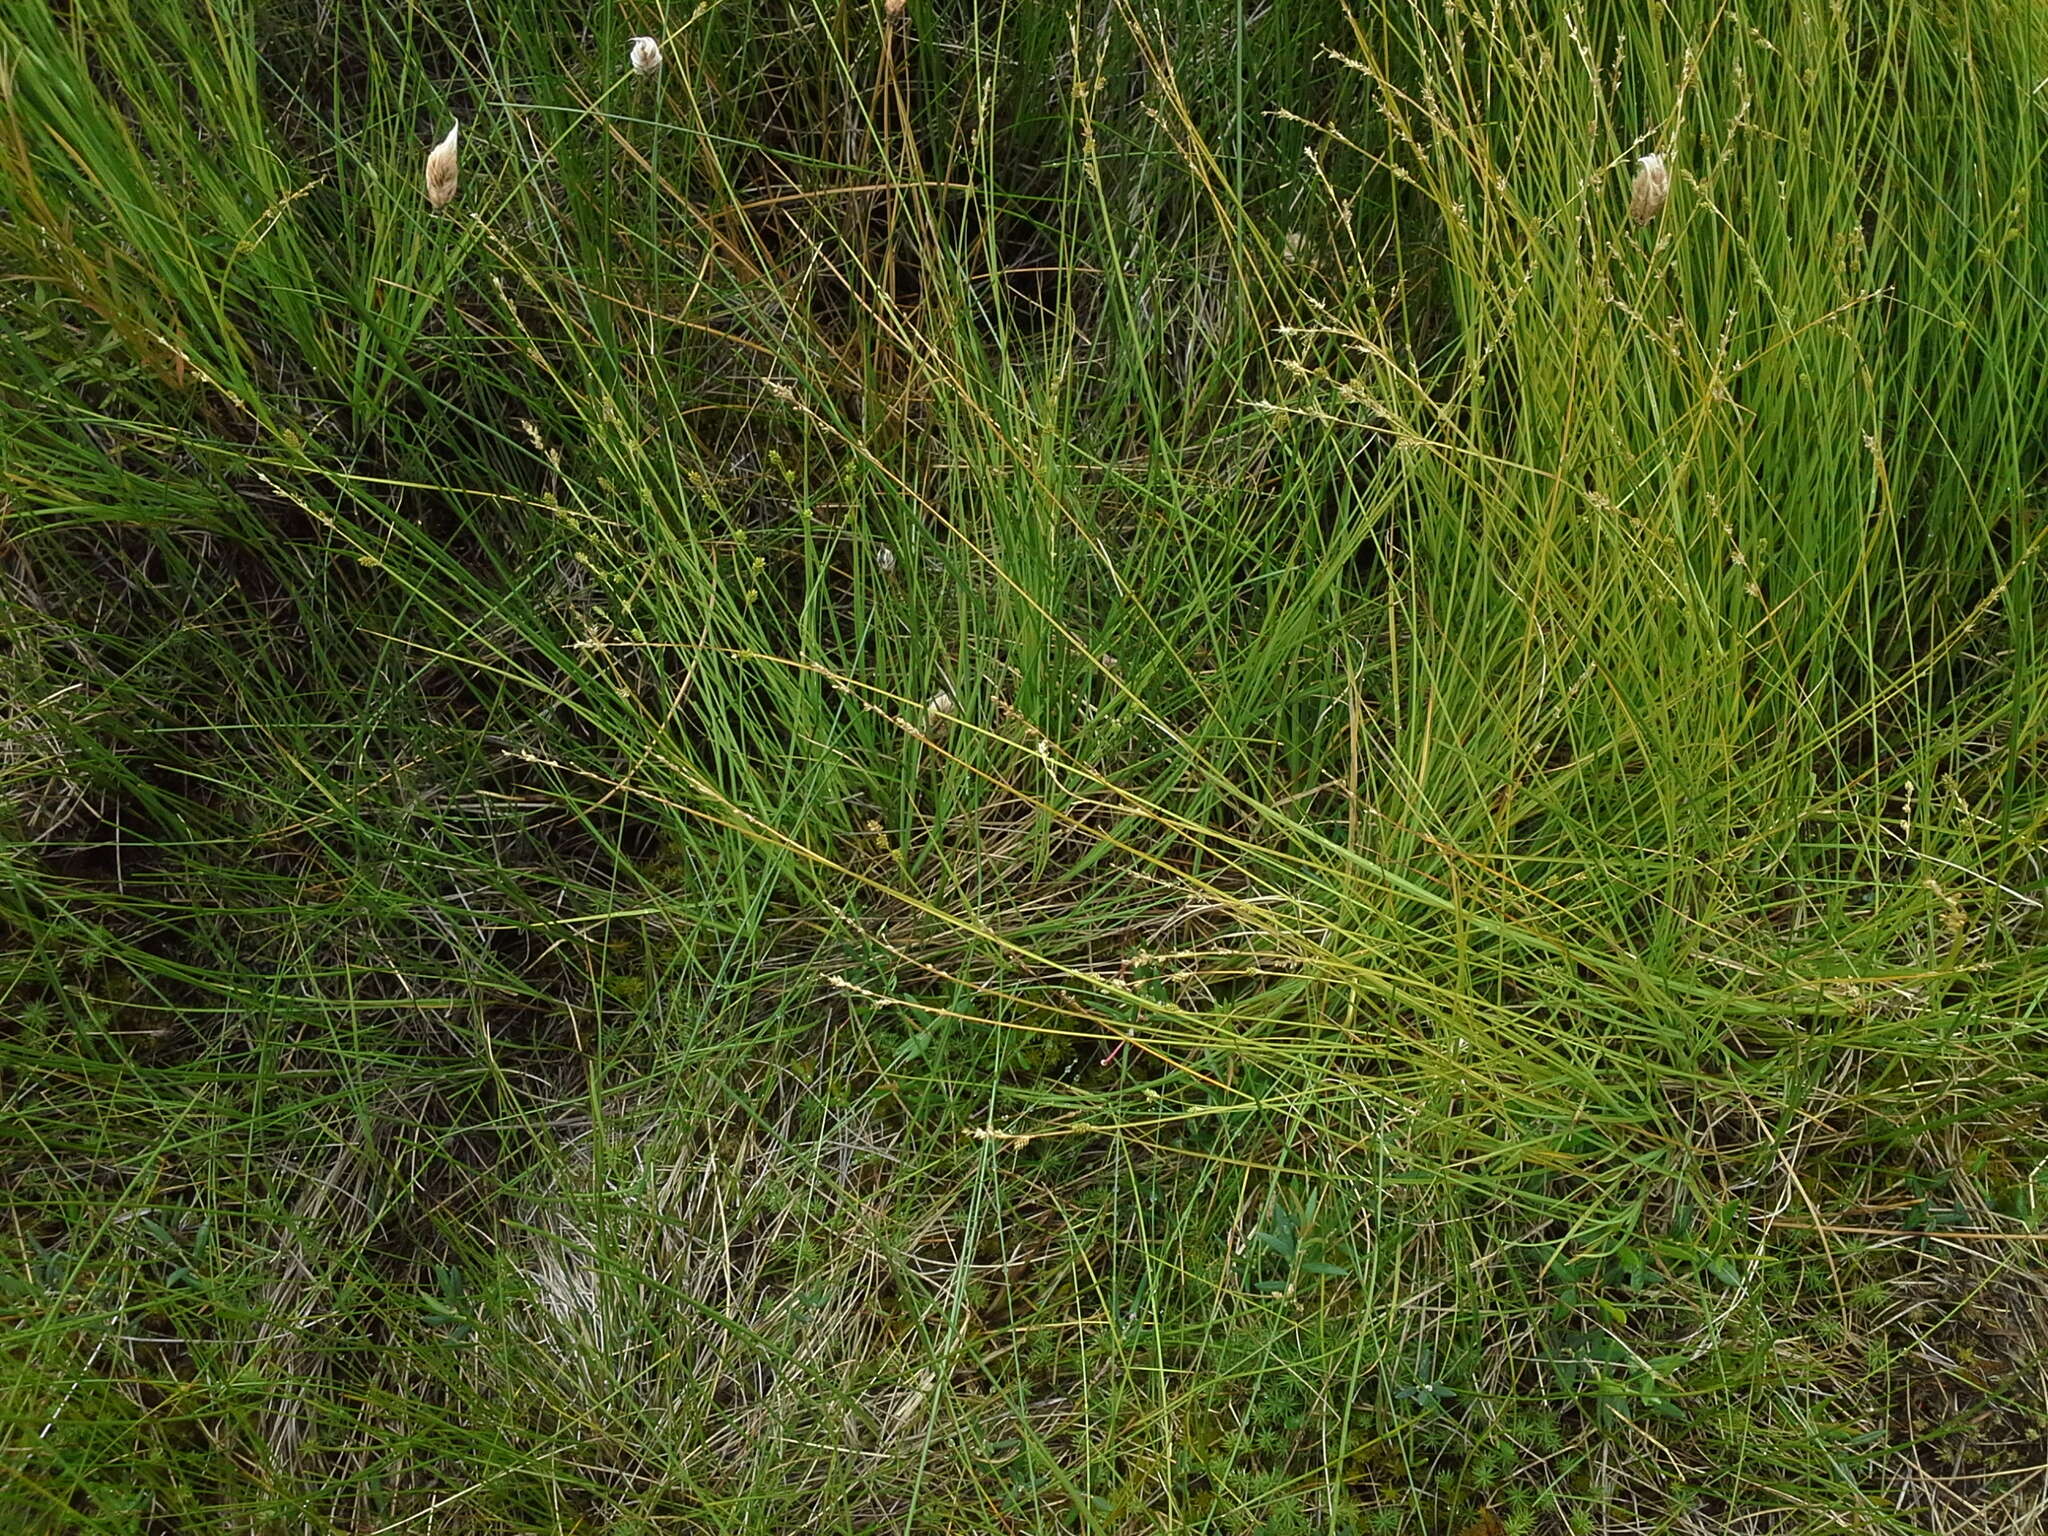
[1652, 187]
[646, 57]
[441, 170]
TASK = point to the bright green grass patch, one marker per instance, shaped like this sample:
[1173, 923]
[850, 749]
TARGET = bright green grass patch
[1024, 769]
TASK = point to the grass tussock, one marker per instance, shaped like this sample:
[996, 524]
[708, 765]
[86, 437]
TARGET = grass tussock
[1112, 769]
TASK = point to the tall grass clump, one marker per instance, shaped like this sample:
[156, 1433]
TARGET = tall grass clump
[1097, 769]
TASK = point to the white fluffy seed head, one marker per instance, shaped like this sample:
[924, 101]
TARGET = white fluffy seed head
[441, 170]
[1652, 187]
[646, 57]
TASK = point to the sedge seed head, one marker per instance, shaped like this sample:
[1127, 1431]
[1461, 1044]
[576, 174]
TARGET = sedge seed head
[1652, 186]
[441, 170]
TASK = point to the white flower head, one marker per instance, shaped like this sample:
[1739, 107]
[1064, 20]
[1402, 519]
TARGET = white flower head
[885, 560]
[646, 57]
[441, 170]
[1652, 187]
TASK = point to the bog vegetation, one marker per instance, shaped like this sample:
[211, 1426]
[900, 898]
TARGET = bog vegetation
[1231, 767]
